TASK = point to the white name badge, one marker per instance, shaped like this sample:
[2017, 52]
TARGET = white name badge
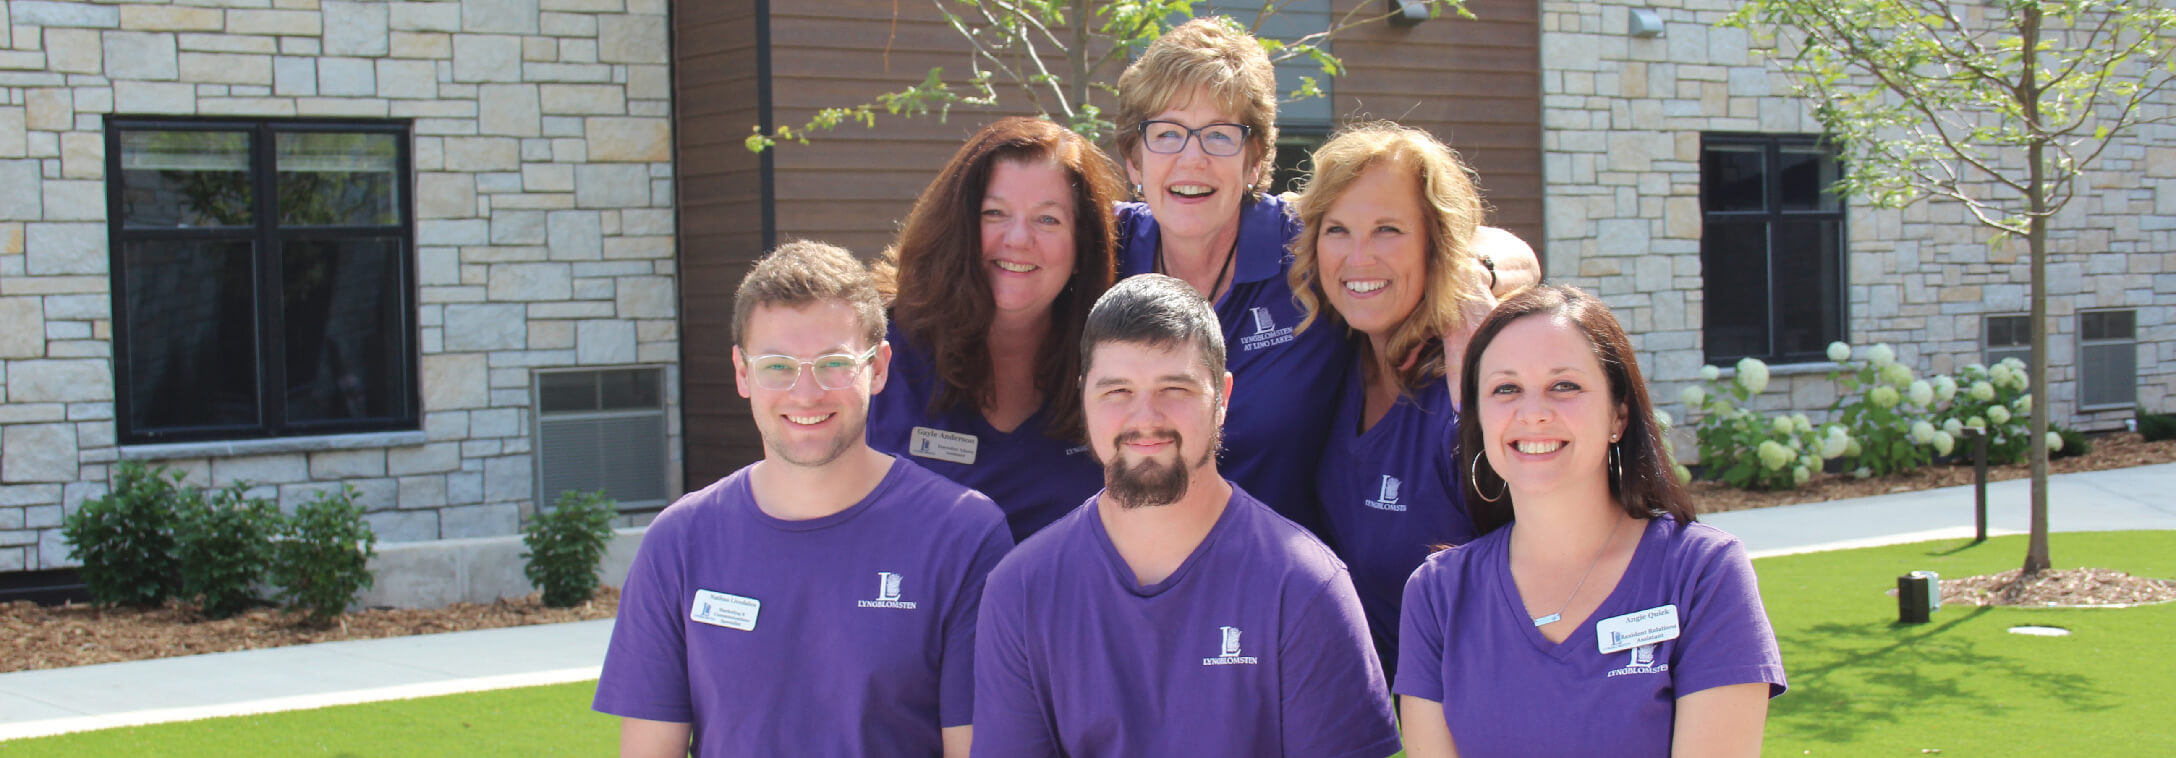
[943, 445]
[1632, 630]
[729, 611]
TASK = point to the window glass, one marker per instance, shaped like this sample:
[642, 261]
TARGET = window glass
[1808, 300]
[192, 351]
[2009, 331]
[1732, 178]
[638, 388]
[335, 179]
[2106, 325]
[1736, 288]
[182, 179]
[567, 391]
[342, 316]
[1805, 174]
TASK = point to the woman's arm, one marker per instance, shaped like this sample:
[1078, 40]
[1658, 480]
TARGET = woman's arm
[1420, 721]
[642, 738]
[1721, 722]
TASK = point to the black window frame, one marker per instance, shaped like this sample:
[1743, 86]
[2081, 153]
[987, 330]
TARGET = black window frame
[266, 238]
[2018, 327]
[2088, 339]
[1771, 216]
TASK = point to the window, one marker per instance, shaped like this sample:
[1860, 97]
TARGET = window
[2107, 359]
[1295, 146]
[1772, 248]
[602, 430]
[261, 278]
[2009, 337]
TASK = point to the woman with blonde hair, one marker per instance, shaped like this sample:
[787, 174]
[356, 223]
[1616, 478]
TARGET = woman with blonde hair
[1197, 131]
[1390, 215]
[989, 283]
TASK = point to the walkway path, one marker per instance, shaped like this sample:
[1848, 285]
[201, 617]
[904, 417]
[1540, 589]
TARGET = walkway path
[56, 701]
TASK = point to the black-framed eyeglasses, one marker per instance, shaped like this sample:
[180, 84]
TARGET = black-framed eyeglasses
[780, 373]
[1220, 140]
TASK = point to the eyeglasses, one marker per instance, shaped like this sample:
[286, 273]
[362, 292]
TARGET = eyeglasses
[780, 373]
[1220, 140]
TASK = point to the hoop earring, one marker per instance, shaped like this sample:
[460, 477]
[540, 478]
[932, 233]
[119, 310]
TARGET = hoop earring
[1616, 468]
[1474, 475]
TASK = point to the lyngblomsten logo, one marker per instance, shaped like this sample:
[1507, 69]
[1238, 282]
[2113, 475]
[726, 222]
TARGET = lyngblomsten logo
[1266, 333]
[1386, 495]
[887, 593]
[1228, 650]
[1642, 662]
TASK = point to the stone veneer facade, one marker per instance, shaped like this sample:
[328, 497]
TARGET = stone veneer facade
[1623, 119]
[543, 231]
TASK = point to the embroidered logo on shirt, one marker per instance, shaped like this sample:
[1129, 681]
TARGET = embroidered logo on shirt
[1386, 496]
[1228, 651]
[887, 593]
[1266, 333]
[1643, 662]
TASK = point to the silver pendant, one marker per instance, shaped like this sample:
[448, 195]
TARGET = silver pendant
[1549, 619]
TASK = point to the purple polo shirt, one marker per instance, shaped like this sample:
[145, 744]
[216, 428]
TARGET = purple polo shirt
[851, 634]
[1283, 383]
[1255, 646]
[1033, 477]
[1390, 496]
[1506, 690]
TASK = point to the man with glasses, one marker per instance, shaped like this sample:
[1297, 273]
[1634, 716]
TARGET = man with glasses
[821, 601]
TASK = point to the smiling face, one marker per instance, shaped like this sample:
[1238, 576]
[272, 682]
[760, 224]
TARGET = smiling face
[808, 425]
[1193, 193]
[1027, 236]
[1154, 419]
[1372, 249]
[1546, 416]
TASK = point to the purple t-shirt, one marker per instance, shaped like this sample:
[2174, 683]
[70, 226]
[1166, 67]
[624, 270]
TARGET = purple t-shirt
[851, 634]
[1033, 477]
[1390, 496]
[1282, 382]
[1506, 690]
[1253, 647]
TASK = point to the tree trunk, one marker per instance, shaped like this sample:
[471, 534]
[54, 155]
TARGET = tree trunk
[2036, 554]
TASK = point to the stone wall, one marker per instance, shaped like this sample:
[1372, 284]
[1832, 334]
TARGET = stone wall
[544, 222]
[1623, 119]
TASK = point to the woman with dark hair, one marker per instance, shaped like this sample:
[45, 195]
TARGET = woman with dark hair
[1594, 616]
[1197, 130]
[989, 283]
[1388, 254]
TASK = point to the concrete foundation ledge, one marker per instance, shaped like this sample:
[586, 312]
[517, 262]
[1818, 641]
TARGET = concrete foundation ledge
[438, 573]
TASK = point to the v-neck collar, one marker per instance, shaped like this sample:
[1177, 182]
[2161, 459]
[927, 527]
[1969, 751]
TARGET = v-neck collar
[1123, 573]
[1642, 553]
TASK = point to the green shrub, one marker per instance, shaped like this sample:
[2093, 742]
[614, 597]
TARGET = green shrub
[2074, 444]
[322, 557]
[126, 538]
[2156, 426]
[223, 540]
[1747, 450]
[566, 545]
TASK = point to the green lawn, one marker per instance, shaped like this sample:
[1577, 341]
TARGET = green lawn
[1860, 684]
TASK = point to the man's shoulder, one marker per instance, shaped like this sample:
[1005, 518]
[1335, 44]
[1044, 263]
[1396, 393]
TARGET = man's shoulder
[923, 495]
[1052, 551]
[1272, 542]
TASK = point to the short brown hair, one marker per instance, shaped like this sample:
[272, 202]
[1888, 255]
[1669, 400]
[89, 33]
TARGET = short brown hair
[1648, 486]
[1450, 210]
[805, 272]
[1211, 53]
[941, 298]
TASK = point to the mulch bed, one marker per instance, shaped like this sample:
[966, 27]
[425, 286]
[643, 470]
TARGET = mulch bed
[35, 637]
[2110, 451]
[2066, 587]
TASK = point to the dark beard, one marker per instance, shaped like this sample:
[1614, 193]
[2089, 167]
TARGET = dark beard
[1149, 483]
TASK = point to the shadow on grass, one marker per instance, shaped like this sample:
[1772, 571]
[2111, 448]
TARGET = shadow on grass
[1874, 674]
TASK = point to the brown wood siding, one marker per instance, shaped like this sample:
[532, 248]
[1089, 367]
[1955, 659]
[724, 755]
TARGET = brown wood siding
[720, 230]
[1476, 83]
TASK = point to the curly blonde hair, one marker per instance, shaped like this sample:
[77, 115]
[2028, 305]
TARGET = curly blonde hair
[1451, 209]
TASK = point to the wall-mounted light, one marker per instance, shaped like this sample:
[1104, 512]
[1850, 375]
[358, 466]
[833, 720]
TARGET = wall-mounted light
[1408, 12]
[1644, 23]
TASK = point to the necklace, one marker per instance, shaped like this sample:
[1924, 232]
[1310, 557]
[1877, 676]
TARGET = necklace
[1221, 271]
[1541, 621]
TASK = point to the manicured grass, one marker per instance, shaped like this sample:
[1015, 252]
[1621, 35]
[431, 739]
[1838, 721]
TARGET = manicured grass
[530, 721]
[1862, 685]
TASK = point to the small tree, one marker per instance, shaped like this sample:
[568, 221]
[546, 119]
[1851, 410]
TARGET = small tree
[1060, 53]
[567, 544]
[1997, 104]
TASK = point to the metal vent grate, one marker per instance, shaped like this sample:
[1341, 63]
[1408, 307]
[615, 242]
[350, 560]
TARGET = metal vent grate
[602, 430]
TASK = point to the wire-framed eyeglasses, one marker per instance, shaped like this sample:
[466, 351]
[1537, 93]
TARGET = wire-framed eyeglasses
[1220, 140]
[781, 373]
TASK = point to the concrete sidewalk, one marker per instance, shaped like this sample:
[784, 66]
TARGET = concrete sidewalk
[57, 701]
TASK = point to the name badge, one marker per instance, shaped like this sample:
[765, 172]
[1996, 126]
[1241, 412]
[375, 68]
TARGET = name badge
[729, 611]
[1632, 630]
[943, 445]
